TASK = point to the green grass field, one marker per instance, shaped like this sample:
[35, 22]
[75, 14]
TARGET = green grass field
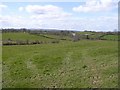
[23, 36]
[83, 64]
[59, 37]
[111, 37]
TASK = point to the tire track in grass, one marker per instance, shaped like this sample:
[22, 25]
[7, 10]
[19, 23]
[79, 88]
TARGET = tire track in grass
[36, 79]
[93, 72]
[96, 69]
[56, 79]
[32, 67]
[66, 63]
[64, 71]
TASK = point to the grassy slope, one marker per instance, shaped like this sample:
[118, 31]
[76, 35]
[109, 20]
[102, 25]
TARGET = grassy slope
[23, 36]
[97, 35]
[67, 64]
[59, 37]
[111, 37]
[93, 35]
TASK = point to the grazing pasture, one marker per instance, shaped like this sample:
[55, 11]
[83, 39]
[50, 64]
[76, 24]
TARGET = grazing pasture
[111, 37]
[22, 36]
[82, 64]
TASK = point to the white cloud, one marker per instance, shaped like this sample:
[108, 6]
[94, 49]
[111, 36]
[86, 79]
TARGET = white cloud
[37, 9]
[46, 11]
[73, 23]
[50, 16]
[96, 5]
[21, 8]
[16, 21]
[2, 7]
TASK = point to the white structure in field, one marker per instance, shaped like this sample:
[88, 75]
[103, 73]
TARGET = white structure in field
[73, 34]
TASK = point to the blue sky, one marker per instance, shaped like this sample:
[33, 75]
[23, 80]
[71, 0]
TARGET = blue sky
[95, 15]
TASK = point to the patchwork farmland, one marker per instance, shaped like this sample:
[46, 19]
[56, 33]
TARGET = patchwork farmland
[59, 59]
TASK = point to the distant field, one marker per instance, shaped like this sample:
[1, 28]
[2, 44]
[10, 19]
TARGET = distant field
[96, 35]
[110, 37]
[59, 37]
[83, 64]
[23, 36]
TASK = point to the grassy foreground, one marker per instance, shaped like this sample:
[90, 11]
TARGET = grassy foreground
[83, 64]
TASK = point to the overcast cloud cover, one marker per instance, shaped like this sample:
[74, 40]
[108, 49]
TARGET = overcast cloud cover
[99, 15]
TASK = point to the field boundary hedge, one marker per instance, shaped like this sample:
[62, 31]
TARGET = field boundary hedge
[27, 42]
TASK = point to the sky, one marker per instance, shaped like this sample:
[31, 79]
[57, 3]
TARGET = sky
[93, 15]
